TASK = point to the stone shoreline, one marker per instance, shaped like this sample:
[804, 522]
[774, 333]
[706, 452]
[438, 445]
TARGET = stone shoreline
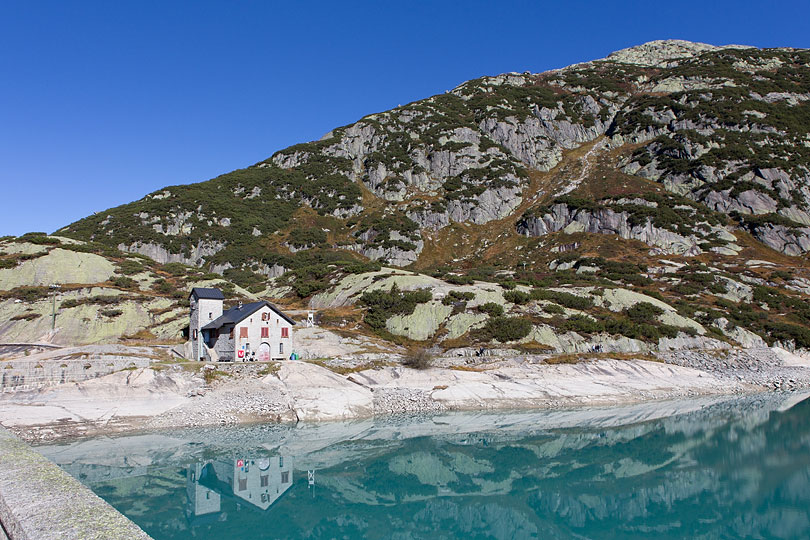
[40, 501]
[146, 398]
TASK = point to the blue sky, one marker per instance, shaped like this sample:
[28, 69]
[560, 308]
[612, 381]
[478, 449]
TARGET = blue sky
[104, 102]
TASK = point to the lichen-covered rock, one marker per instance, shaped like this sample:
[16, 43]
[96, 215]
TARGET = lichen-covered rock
[422, 324]
[461, 323]
[59, 266]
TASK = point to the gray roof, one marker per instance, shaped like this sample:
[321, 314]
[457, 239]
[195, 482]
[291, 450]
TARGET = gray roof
[207, 293]
[241, 312]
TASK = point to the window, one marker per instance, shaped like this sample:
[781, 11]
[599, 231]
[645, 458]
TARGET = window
[285, 477]
[264, 480]
[242, 484]
[210, 315]
[280, 348]
[281, 461]
[265, 332]
[243, 332]
[285, 332]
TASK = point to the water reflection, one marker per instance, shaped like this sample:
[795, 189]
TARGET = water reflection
[735, 468]
[259, 481]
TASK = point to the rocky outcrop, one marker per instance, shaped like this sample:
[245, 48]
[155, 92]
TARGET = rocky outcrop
[561, 217]
[664, 53]
[196, 256]
[787, 240]
[540, 139]
[393, 255]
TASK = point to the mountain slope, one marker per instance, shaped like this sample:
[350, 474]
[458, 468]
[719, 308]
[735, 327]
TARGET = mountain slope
[726, 127]
[679, 170]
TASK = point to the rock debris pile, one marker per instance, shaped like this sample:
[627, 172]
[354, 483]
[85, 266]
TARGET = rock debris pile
[400, 400]
[761, 367]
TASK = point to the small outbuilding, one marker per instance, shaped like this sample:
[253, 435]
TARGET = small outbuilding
[252, 331]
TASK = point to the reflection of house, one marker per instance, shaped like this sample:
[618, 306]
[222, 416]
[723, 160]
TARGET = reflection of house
[201, 500]
[260, 482]
[258, 330]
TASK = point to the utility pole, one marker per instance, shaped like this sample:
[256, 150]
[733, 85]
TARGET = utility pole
[55, 289]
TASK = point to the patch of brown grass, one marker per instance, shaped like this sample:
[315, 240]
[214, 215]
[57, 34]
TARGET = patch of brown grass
[576, 358]
[347, 370]
[534, 347]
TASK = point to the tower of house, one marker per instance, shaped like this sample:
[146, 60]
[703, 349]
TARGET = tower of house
[206, 305]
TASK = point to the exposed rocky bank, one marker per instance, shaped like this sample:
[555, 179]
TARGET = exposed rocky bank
[146, 398]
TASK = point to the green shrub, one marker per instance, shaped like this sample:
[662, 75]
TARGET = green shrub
[308, 288]
[162, 286]
[71, 303]
[563, 298]
[582, 323]
[39, 238]
[504, 329]
[554, 309]
[517, 297]
[643, 312]
[13, 260]
[124, 282]
[454, 297]
[246, 279]
[362, 268]
[28, 294]
[306, 237]
[129, 267]
[177, 269]
[383, 305]
[458, 280]
[492, 309]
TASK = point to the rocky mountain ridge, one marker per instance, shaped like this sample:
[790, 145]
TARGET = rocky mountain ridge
[723, 126]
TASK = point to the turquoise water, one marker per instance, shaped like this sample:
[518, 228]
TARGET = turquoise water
[701, 469]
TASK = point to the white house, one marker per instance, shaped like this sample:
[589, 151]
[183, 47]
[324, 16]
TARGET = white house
[253, 331]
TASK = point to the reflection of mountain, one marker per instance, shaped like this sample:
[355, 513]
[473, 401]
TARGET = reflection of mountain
[728, 469]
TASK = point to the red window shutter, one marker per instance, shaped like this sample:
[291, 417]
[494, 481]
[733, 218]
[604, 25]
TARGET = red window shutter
[285, 332]
[243, 332]
[265, 332]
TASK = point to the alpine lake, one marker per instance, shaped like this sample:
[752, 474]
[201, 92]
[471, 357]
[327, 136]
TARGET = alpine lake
[703, 468]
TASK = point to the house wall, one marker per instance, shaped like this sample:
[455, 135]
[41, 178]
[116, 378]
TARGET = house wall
[203, 311]
[224, 345]
[274, 323]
